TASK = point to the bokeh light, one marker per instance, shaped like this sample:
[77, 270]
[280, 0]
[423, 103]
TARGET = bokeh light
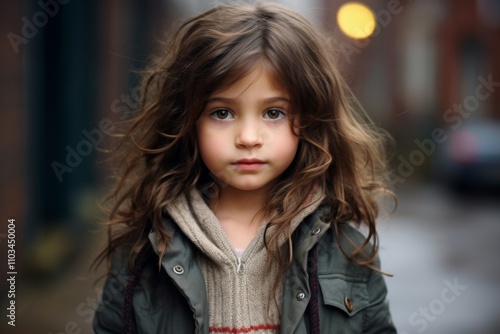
[356, 20]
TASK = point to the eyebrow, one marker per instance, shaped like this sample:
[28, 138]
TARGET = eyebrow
[266, 100]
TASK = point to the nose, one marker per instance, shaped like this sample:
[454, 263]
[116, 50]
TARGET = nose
[249, 135]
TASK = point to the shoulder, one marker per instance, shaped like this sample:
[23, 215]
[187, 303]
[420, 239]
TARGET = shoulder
[336, 245]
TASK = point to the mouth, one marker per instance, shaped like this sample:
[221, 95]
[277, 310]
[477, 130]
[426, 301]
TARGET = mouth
[249, 164]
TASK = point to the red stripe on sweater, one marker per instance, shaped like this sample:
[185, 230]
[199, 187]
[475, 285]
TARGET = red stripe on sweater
[232, 330]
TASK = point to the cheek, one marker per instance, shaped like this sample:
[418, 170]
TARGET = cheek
[286, 146]
[211, 147]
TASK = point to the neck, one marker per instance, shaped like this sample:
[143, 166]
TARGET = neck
[234, 202]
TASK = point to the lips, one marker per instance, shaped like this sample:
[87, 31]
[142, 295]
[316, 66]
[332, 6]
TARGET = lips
[249, 161]
[249, 164]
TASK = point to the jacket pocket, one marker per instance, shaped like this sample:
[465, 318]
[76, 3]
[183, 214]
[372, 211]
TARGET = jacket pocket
[347, 293]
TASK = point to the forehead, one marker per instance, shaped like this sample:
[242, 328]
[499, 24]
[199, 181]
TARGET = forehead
[260, 79]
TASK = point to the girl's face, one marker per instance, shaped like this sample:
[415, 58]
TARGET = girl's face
[244, 133]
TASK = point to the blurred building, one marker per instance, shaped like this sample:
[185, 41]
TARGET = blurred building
[423, 57]
[427, 71]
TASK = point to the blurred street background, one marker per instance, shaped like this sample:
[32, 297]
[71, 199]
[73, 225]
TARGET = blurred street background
[427, 71]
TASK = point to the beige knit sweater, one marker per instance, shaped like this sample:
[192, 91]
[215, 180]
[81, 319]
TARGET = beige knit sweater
[238, 288]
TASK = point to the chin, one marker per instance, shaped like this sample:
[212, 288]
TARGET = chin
[249, 186]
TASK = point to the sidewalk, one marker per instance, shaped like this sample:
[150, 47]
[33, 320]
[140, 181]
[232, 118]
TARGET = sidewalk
[443, 252]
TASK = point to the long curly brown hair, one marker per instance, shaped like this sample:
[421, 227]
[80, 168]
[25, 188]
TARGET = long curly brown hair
[158, 158]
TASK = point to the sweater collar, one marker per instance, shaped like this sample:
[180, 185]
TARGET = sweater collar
[192, 215]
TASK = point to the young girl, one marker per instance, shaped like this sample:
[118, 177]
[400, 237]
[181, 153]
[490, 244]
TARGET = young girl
[241, 183]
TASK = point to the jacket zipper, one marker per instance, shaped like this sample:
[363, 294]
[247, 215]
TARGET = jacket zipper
[239, 265]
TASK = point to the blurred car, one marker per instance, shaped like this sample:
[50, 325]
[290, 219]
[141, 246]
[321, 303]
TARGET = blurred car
[470, 158]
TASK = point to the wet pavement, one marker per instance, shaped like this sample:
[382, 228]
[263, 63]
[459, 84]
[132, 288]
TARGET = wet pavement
[443, 251]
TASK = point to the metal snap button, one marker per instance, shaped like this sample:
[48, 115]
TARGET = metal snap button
[178, 270]
[316, 231]
[301, 296]
[348, 304]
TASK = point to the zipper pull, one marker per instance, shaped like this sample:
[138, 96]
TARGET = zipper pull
[239, 265]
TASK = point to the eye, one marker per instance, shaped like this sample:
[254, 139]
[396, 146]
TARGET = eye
[274, 114]
[221, 114]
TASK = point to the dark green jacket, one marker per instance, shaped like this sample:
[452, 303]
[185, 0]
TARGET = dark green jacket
[352, 299]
